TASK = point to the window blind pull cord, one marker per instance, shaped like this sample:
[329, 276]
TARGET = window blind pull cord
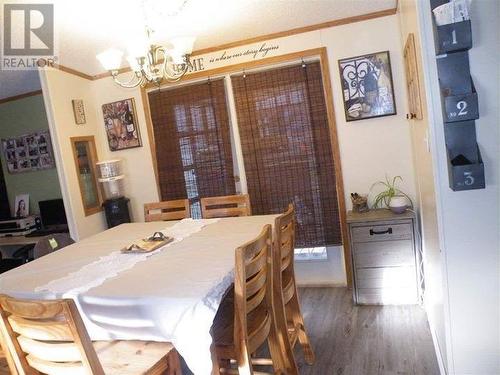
[219, 137]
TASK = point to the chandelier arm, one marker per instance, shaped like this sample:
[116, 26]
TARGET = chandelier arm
[133, 82]
[172, 75]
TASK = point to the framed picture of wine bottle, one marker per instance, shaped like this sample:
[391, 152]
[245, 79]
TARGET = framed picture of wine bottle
[122, 128]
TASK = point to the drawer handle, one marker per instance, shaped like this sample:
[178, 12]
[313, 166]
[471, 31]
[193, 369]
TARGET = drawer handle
[388, 231]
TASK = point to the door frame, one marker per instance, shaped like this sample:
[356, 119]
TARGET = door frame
[321, 54]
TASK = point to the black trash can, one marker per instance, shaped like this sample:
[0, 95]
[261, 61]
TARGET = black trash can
[117, 211]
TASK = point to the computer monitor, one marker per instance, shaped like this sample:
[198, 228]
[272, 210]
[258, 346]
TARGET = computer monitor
[52, 213]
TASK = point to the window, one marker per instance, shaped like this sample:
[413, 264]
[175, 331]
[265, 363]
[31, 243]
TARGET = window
[287, 151]
[193, 147]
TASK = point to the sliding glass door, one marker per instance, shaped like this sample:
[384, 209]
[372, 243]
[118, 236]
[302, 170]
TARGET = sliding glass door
[283, 135]
[192, 139]
[286, 147]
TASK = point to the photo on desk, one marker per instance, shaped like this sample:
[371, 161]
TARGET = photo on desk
[22, 205]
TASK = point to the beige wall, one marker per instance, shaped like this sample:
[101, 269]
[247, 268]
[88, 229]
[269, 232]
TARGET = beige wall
[422, 159]
[140, 183]
[59, 89]
[369, 149]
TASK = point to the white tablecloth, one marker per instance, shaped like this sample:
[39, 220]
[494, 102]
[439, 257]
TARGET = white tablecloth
[172, 296]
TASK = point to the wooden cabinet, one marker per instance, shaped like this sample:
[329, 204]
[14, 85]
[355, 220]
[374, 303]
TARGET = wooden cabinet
[384, 257]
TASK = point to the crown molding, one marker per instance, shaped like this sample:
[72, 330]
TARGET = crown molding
[281, 34]
[20, 96]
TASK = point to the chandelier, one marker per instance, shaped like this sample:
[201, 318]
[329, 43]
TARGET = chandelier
[150, 63]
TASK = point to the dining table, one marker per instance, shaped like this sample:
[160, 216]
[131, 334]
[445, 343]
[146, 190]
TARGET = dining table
[171, 294]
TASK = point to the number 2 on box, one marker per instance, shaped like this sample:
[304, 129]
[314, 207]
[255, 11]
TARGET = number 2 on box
[461, 106]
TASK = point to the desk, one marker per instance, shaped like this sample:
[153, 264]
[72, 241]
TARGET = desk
[18, 240]
[172, 296]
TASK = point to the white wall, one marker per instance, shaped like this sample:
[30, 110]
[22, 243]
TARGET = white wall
[370, 149]
[469, 221]
[426, 197]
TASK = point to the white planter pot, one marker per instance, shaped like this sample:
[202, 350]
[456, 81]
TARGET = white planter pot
[398, 204]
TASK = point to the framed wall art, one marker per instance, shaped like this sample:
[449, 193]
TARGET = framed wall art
[120, 121]
[30, 152]
[79, 111]
[367, 86]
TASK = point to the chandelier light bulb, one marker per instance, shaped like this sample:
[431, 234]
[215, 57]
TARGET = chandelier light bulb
[111, 59]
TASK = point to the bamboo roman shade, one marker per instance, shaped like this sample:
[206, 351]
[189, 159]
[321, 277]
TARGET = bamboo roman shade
[287, 152]
[193, 147]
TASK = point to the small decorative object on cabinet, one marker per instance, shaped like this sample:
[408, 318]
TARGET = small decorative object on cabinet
[359, 202]
[392, 198]
[385, 259]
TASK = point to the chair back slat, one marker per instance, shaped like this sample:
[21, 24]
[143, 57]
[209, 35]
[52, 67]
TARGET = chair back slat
[226, 206]
[260, 330]
[56, 368]
[31, 309]
[55, 352]
[257, 264]
[47, 336]
[255, 301]
[253, 290]
[41, 330]
[167, 210]
[257, 282]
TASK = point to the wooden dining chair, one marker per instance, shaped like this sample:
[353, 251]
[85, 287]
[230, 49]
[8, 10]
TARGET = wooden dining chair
[226, 206]
[285, 286]
[49, 337]
[167, 210]
[243, 326]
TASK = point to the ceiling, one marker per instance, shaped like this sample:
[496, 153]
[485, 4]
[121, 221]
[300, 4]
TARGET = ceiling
[86, 27]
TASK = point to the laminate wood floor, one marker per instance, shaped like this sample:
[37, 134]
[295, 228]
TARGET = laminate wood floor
[362, 340]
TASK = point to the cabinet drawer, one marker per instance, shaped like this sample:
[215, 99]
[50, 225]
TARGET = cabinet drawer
[387, 277]
[386, 232]
[383, 254]
[387, 296]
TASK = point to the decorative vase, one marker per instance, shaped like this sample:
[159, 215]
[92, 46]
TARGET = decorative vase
[398, 204]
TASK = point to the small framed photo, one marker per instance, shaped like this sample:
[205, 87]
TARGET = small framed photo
[79, 111]
[120, 122]
[22, 205]
[367, 86]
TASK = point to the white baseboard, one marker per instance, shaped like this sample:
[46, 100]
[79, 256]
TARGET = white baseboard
[437, 349]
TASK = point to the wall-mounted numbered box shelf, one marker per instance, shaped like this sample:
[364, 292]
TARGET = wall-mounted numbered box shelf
[465, 174]
[465, 164]
[454, 37]
[454, 74]
[459, 99]
[460, 107]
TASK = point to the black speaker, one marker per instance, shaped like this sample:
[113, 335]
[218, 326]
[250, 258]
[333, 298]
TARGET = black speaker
[38, 223]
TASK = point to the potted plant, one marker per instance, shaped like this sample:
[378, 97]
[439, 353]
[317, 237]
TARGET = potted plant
[391, 197]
